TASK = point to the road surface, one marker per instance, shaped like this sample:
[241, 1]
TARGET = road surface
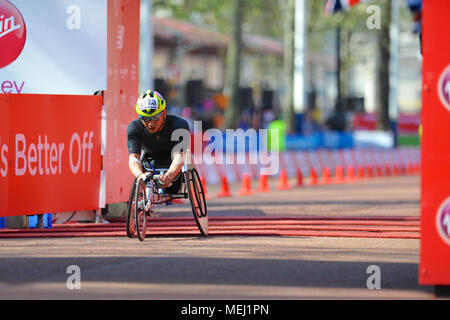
[238, 266]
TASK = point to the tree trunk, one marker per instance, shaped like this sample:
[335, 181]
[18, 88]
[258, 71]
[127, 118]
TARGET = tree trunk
[338, 70]
[382, 70]
[234, 66]
[289, 49]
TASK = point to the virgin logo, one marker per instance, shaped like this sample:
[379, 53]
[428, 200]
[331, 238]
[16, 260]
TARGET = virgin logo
[12, 33]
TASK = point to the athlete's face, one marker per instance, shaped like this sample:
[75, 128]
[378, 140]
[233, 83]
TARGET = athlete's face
[155, 125]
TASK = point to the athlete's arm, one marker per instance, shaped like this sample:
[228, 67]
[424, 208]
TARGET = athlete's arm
[134, 150]
[175, 168]
[179, 145]
[135, 164]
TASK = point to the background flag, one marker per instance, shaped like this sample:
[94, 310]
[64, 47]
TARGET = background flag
[415, 6]
[333, 6]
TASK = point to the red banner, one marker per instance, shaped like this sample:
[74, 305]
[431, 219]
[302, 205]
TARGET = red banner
[364, 121]
[435, 197]
[121, 95]
[49, 153]
[408, 123]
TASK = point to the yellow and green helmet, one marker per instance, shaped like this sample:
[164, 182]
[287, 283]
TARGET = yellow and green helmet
[150, 103]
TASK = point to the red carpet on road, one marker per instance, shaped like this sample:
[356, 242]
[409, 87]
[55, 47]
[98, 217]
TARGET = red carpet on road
[359, 227]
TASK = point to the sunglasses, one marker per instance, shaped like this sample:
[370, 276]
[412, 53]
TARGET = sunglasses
[152, 118]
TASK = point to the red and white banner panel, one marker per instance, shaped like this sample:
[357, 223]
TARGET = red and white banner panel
[435, 197]
[53, 46]
[120, 96]
[49, 153]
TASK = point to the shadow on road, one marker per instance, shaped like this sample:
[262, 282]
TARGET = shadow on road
[219, 271]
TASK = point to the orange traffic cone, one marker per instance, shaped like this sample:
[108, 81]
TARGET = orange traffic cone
[224, 191]
[379, 171]
[246, 188]
[360, 172]
[263, 186]
[410, 168]
[402, 169]
[203, 182]
[339, 176]
[370, 171]
[417, 168]
[351, 174]
[299, 178]
[326, 175]
[283, 183]
[313, 177]
[396, 170]
[387, 168]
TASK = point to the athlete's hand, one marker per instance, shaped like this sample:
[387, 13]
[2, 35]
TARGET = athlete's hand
[166, 180]
[145, 176]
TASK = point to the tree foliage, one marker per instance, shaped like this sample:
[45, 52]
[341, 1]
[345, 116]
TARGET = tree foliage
[266, 17]
[259, 16]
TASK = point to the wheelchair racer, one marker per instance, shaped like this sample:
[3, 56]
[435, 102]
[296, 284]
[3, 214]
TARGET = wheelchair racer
[151, 133]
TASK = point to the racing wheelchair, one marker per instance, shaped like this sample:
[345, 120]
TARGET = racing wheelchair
[146, 194]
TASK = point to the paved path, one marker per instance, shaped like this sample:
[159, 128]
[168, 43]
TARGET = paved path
[234, 267]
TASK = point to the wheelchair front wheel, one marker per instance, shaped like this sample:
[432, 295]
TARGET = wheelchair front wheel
[131, 225]
[197, 199]
[140, 216]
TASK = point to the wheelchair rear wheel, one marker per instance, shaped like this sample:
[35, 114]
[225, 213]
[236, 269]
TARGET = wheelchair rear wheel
[131, 225]
[197, 199]
[140, 216]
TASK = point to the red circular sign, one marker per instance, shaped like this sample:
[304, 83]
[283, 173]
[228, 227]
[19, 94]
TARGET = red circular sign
[444, 87]
[443, 221]
[13, 33]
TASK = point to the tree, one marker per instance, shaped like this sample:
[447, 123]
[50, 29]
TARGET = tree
[234, 66]
[288, 62]
[349, 23]
[260, 17]
[382, 69]
[343, 25]
[230, 17]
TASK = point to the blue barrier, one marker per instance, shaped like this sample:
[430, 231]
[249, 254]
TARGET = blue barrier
[251, 140]
[2, 223]
[301, 142]
[325, 139]
[33, 220]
